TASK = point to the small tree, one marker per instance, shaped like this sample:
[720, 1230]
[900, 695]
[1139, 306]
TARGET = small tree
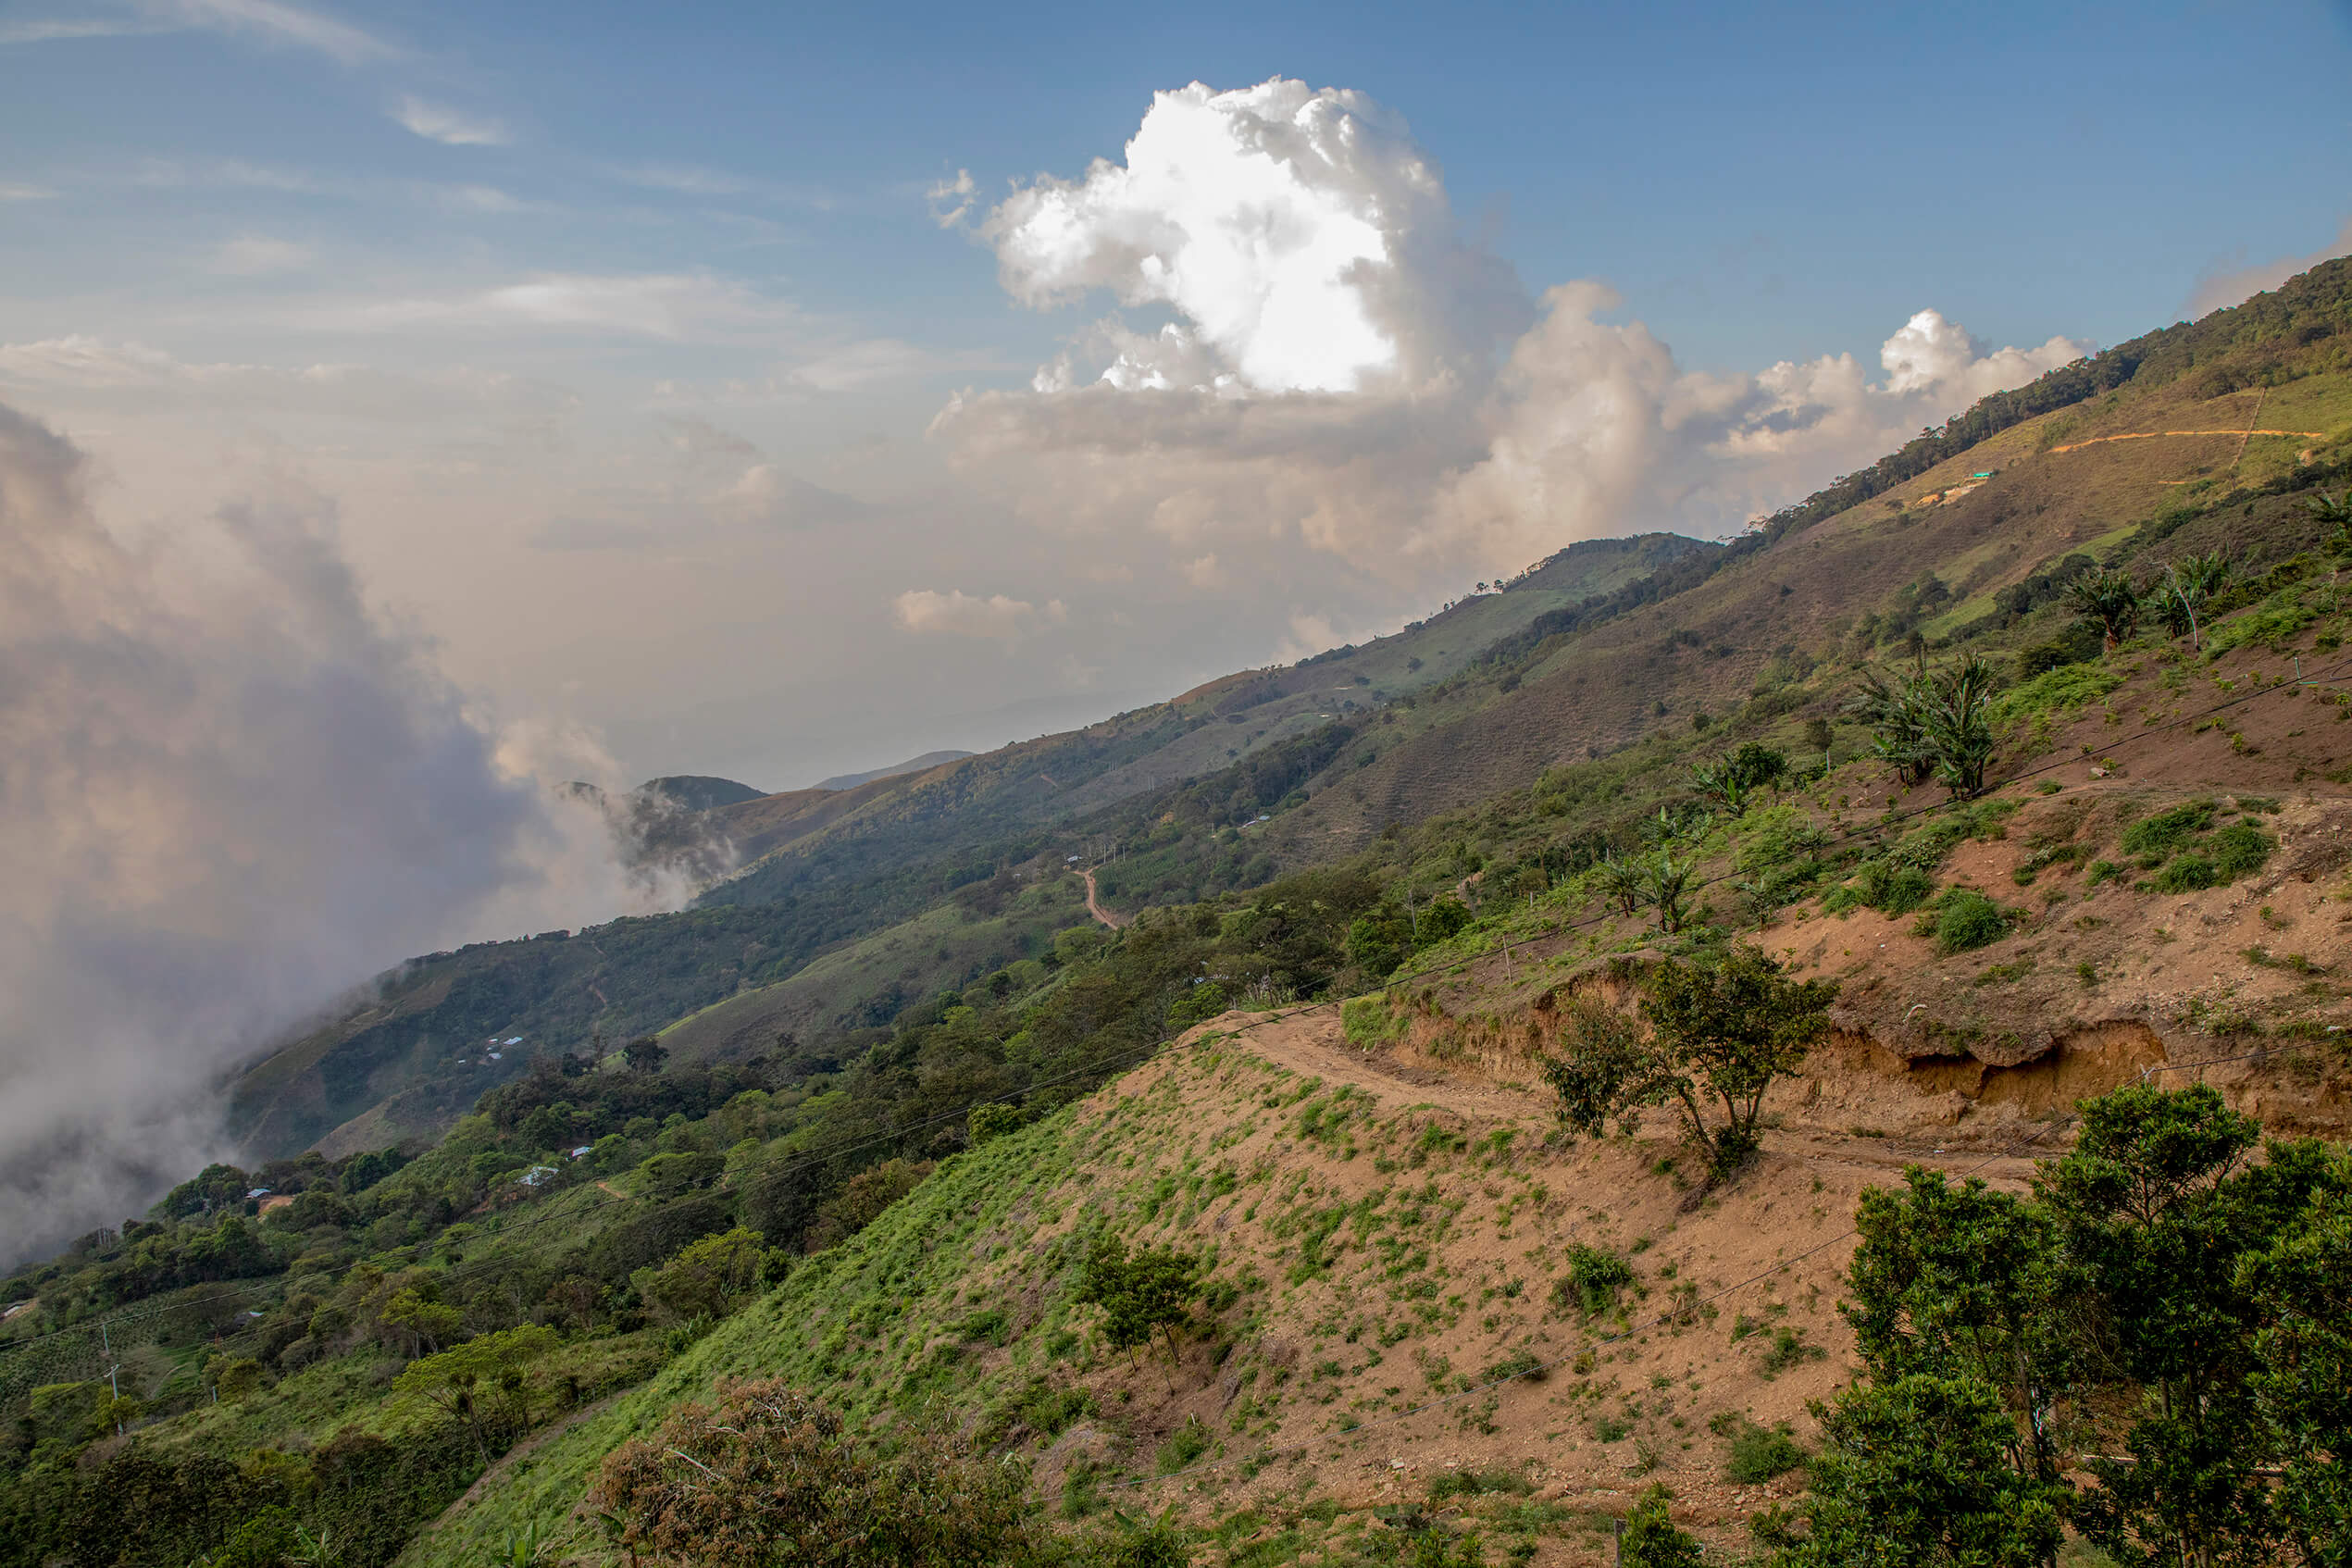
[1651, 1538]
[423, 1324]
[1620, 880]
[645, 1054]
[479, 1383]
[2109, 598]
[2334, 512]
[1719, 1036]
[1669, 884]
[1139, 1292]
[1595, 1077]
[1912, 1472]
[991, 1121]
[1894, 710]
[2302, 1289]
[709, 1277]
[1728, 1032]
[1958, 726]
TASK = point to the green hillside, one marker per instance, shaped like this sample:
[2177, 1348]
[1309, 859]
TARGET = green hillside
[1452, 1263]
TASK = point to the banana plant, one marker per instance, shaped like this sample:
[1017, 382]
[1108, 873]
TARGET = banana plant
[2110, 598]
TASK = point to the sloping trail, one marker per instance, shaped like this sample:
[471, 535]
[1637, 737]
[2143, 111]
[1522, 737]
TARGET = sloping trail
[2151, 435]
[1309, 1042]
[1094, 906]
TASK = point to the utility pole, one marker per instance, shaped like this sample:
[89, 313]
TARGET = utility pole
[114, 1385]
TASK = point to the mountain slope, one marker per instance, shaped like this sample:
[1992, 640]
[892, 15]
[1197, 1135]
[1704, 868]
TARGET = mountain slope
[1608, 644]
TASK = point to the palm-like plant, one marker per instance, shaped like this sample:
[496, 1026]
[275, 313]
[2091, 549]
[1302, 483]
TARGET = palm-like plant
[1725, 782]
[1669, 885]
[1623, 880]
[2335, 512]
[1898, 728]
[1959, 725]
[2186, 587]
[2109, 598]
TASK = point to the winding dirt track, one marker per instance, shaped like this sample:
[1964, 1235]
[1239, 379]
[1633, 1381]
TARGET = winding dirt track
[1094, 906]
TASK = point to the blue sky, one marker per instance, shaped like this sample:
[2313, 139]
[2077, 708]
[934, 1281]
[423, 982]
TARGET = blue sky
[619, 341]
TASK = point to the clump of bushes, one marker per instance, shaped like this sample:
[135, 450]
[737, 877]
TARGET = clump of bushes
[1594, 1281]
[1964, 919]
[2191, 853]
[1756, 1453]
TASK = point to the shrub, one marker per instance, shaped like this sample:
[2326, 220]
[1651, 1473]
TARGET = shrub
[1594, 1281]
[1759, 1453]
[2168, 830]
[1519, 1363]
[2239, 849]
[770, 1476]
[1965, 919]
[1652, 1539]
[1788, 1348]
[1478, 1483]
[1184, 1445]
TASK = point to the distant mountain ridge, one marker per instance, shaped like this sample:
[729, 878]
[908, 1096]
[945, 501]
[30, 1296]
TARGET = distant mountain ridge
[911, 764]
[697, 791]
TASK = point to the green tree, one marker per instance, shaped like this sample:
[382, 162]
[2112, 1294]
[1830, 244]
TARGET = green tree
[1957, 725]
[1652, 1539]
[1668, 884]
[1603, 1055]
[2106, 598]
[1895, 710]
[423, 1322]
[2187, 586]
[645, 1054]
[1914, 1471]
[1622, 879]
[2301, 1287]
[1966, 1282]
[2335, 512]
[479, 1383]
[1140, 1293]
[2155, 1211]
[1719, 1035]
[991, 1121]
[1725, 1032]
[708, 1277]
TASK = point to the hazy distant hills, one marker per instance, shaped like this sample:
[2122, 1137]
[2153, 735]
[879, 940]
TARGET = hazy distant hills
[911, 764]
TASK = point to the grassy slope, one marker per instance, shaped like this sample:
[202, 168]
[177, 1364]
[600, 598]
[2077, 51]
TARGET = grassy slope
[945, 947]
[1389, 1240]
[1599, 692]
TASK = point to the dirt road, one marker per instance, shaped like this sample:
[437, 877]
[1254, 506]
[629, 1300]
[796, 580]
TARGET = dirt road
[1094, 905]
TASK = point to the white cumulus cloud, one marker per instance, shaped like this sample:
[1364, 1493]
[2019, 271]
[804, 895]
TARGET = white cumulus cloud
[1299, 233]
[1325, 386]
[958, 613]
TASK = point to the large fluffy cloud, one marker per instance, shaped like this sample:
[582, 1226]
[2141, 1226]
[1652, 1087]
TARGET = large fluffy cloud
[1303, 237]
[226, 792]
[1327, 376]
